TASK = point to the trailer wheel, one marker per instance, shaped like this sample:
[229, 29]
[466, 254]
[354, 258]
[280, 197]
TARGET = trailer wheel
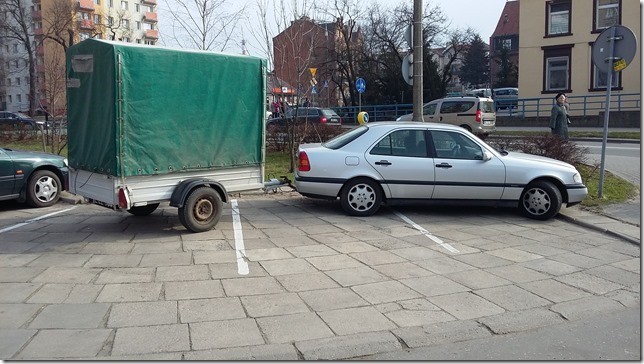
[143, 210]
[202, 210]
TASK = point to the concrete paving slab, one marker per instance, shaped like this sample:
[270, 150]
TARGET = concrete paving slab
[67, 275]
[444, 265]
[512, 298]
[163, 259]
[435, 285]
[157, 247]
[514, 254]
[17, 260]
[348, 346]
[114, 261]
[625, 297]
[382, 292]
[408, 318]
[287, 266]
[251, 286]
[17, 292]
[209, 257]
[480, 280]
[551, 267]
[230, 270]
[269, 352]
[104, 247]
[273, 304]
[296, 240]
[334, 262]
[577, 260]
[306, 282]
[466, 305]
[517, 274]
[353, 247]
[296, 327]
[416, 253]
[187, 290]
[212, 245]
[71, 316]
[482, 260]
[616, 275]
[586, 307]
[212, 309]
[377, 258]
[125, 275]
[554, 291]
[398, 271]
[441, 333]
[137, 340]
[11, 340]
[267, 254]
[83, 293]
[518, 321]
[130, 292]
[19, 274]
[225, 334]
[59, 344]
[51, 293]
[631, 265]
[356, 320]
[142, 314]
[306, 251]
[354, 276]
[178, 273]
[332, 299]
[589, 283]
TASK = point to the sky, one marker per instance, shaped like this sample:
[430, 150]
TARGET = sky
[480, 15]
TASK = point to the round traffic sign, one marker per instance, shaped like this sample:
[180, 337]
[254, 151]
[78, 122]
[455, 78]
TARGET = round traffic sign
[624, 47]
[361, 85]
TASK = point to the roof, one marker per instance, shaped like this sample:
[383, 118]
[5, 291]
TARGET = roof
[509, 20]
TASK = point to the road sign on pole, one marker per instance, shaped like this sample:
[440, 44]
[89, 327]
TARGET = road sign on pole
[361, 85]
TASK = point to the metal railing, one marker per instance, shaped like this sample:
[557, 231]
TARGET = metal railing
[585, 105]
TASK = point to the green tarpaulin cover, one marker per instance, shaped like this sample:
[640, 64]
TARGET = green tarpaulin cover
[144, 110]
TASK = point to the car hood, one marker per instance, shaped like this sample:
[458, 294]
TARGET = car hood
[28, 154]
[523, 157]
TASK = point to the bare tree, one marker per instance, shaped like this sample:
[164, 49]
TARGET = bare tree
[55, 94]
[203, 24]
[16, 24]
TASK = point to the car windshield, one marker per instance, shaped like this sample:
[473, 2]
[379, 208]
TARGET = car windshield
[345, 138]
[21, 115]
[486, 106]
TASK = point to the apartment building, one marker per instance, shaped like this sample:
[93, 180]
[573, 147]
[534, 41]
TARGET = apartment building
[132, 21]
[556, 41]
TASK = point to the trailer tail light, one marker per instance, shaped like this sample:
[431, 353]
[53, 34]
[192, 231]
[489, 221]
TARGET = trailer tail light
[122, 199]
[303, 164]
[479, 116]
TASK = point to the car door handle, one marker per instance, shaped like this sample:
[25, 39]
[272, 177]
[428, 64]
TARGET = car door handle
[444, 165]
[383, 163]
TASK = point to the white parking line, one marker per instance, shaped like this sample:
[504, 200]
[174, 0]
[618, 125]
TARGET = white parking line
[34, 219]
[426, 233]
[242, 264]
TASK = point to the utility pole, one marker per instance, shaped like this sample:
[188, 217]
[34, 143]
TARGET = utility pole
[418, 60]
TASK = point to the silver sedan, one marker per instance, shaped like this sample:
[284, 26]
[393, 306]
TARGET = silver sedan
[398, 161]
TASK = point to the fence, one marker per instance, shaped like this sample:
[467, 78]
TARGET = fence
[586, 105]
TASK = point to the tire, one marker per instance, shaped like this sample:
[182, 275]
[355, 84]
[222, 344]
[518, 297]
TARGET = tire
[143, 210]
[202, 210]
[43, 189]
[541, 200]
[361, 197]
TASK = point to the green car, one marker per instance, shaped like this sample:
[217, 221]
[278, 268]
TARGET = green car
[32, 177]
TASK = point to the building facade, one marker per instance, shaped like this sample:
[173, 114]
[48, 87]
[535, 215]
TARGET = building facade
[504, 46]
[555, 47]
[57, 24]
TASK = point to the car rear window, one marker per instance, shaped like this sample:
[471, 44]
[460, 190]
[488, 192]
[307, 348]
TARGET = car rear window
[328, 112]
[345, 138]
[486, 106]
[448, 107]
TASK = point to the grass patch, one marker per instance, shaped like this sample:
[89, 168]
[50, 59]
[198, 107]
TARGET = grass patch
[277, 165]
[616, 190]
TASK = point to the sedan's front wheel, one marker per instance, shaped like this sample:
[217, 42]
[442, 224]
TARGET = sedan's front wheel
[541, 200]
[43, 189]
[361, 197]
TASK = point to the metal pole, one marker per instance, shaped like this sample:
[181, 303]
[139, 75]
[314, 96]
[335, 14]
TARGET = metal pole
[418, 60]
[609, 86]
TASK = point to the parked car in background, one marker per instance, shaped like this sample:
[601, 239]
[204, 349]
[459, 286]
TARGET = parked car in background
[506, 97]
[32, 177]
[16, 120]
[476, 114]
[313, 115]
[479, 92]
[383, 162]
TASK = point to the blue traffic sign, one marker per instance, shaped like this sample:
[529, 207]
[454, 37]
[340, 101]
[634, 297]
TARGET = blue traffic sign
[314, 90]
[361, 85]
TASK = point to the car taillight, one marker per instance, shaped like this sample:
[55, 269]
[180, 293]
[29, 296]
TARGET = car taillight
[303, 164]
[323, 120]
[479, 115]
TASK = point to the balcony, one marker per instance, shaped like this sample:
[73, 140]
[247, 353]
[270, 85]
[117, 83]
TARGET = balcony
[86, 4]
[37, 15]
[85, 24]
[151, 2]
[152, 33]
[150, 17]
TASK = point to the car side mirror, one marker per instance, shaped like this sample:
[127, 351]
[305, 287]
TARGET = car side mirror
[487, 155]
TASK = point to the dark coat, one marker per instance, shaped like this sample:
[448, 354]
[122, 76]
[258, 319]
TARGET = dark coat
[559, 121]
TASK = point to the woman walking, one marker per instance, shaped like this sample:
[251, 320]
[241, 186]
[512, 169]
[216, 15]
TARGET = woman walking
[559, 117]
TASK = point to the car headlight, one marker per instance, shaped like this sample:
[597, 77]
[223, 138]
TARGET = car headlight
[398, 119]
[66, 162]
[577, 178]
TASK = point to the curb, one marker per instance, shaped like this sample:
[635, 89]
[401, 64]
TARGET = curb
[599, 229]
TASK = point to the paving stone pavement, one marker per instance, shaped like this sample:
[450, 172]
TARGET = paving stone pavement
[91, 283]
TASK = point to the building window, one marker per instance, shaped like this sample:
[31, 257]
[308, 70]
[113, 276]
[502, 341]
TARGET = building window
[558, 18]
[138, 25]
[97, 19]
[556, 68]
[17, 81]
[125, 23]
[111, 3]
[97, 2]
[124, 5]
[506, 44]
[8, 82]
[84, 36]
[9, 98]
[15, 63]
[110, 20]
[606, 13]
[18, 98]
[137, 7]
[600, 79]
[138, 41]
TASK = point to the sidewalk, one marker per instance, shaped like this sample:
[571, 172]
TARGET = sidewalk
[619, 220]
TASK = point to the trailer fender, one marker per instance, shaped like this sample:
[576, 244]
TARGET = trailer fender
[181, 192]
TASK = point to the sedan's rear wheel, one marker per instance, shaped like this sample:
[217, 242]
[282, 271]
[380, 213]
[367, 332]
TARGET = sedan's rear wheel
[541, 200]
[361, 197]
